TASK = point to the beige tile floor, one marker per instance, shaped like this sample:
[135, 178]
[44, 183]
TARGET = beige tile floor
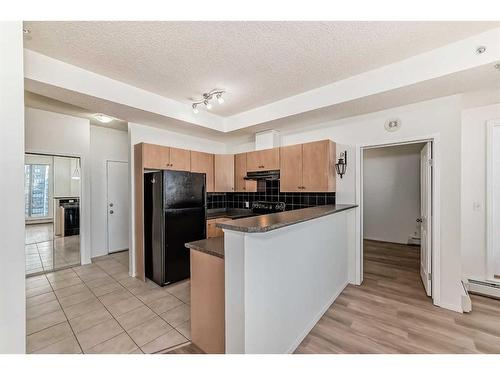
[99, 308]
[44, 253]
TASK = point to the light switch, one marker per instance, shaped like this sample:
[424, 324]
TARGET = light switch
[247, 204]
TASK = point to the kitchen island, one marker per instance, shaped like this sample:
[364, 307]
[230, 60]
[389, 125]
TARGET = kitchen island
[281, 273]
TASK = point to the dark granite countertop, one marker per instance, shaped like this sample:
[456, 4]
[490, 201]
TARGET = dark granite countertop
[266, 223]
[213, 246]
[232, 213]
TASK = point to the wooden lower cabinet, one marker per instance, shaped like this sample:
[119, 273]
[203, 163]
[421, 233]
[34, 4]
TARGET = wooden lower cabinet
[212, 230]
[207, 302]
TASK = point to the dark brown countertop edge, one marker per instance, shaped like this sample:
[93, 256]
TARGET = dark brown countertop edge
[212, 246]
[282, 219]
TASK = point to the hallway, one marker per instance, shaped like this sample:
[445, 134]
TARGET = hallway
[390, 313]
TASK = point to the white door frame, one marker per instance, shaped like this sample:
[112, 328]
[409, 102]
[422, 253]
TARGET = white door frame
[436, 200]
[490, 243]
[107, 200]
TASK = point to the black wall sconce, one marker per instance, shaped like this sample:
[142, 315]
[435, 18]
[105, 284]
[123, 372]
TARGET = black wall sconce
[341, 165]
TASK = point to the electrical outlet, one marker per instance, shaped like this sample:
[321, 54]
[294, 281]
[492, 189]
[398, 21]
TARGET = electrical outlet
[247, 204]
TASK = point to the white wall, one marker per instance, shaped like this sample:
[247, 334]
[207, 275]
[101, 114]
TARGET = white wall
[473, 200]
[105, 144]
[64, 184]
[58, 134]
[12, 279]
[391, 193]
[140, 133]
[436, 117]
[275, 291]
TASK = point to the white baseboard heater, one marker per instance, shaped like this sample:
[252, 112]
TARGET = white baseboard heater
[486, 288]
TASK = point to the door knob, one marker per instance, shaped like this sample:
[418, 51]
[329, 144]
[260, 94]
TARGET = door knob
[111, 212]
[111, 205]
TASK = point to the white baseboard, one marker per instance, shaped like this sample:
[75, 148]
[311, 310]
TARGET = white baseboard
[316, 319]
[485, 288]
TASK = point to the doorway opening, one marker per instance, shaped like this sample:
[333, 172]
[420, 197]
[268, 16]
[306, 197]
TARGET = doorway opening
[396, 227]
[52, 191]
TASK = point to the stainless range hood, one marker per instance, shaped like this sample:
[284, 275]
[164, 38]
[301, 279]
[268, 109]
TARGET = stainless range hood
[263, 175]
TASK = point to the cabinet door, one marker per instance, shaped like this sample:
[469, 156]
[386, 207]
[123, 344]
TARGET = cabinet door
[211, 229]
[240, 171]
[155, 156]
[180, 160]
[218, 231]
[263, 160]
[318, 170]
[291, 168]
[271, 159]
[201, 162]
[224, 173]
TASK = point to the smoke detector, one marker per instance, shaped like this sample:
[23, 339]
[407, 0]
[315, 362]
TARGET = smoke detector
[392, 125]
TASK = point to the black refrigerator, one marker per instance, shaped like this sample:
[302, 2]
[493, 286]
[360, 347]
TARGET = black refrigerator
[174, 213]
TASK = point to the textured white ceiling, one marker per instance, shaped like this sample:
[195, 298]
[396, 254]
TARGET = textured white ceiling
[256, 62]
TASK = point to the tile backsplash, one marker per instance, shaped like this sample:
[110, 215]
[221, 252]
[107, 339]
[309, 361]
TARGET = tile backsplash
[271, 193]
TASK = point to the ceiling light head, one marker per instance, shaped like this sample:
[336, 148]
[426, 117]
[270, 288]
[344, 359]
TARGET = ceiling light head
[480, 50]
[101, 117]
[207, 98]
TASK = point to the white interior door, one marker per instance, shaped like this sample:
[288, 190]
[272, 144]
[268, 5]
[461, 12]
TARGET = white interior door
[425, 216]
[117, 205]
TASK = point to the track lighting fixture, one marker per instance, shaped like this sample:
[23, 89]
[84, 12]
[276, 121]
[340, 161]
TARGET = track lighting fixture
[207, 99]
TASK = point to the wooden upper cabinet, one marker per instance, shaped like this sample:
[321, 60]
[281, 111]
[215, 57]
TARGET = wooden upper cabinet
[201, 162]
[180, 160]
[263, 160]
[291, 168]
[161, 157]
[309, 167]
[240, 171]
[318, 166]
[224, 173]
[155, 156]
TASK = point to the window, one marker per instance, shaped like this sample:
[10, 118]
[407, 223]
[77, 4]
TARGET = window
[36, 190]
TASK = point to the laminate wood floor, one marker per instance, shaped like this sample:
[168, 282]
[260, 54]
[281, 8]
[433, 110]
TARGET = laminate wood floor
[390, 313]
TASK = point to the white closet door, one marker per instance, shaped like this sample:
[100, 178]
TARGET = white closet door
[118, 205]
[425, 217]
[493, 204]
